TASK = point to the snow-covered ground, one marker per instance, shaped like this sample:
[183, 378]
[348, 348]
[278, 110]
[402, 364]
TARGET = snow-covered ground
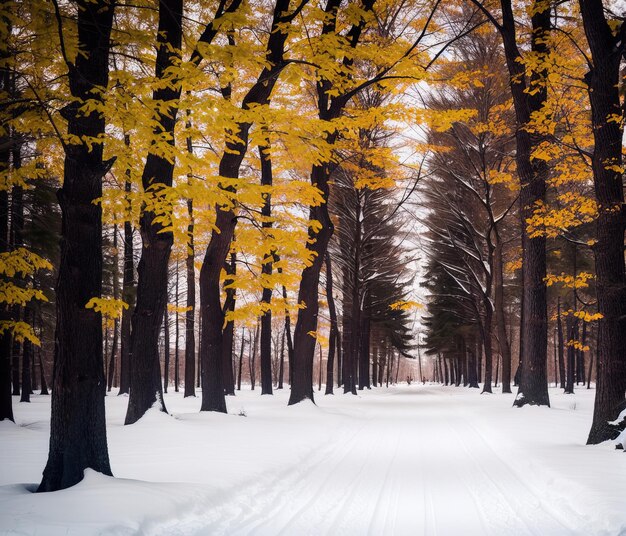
[408, 460]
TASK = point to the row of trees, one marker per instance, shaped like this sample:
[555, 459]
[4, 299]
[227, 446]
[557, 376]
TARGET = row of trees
[525, 205]
[96, 94]
[257, 144]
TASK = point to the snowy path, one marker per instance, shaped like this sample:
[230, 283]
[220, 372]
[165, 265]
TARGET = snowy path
[418, 469]
[418, 460]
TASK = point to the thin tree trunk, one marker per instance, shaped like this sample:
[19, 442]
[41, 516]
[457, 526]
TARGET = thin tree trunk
[42, 374]
[559, 331]
[503, 340]
[581, 357]
[334, 328]
[281, 368]
[243, 343]
[570, 327]
[177, 335]
[128, 295]
[116, 292]
[6, 400]
[166, 344]
[190, 336]
[27, 357]
[113, 355]
[229, 331]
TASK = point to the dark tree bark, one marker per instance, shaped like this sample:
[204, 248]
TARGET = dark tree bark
[561, 353]
[503, 339]
[375, 364]
[145, 377]
[334, 327]
[243, 343]
[533, 383]
[364, 353]
[219, 245]
[116, 284]
[42, 374]
[166, 349]
[604, 94]
[281, 366]
[77, 424]
[328, 108]
[229, 330]
[472, 379]
[486, 331]
[570, 328]
[27, 357]
[177, 335]
[287, 332]
[128, 295]
[580, 357]
[6, 401]
[190, 336]
[111, 371]
[266, 272]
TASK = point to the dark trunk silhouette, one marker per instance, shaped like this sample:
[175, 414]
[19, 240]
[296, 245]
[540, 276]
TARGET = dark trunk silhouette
[145, 375]
[603, 80]
[77, 424]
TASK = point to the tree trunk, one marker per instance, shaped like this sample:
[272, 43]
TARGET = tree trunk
[166, 344]
[581, 375]
[304, 344]
[146, 387]
[177, 335]
[190, 336]
[113, 355]
[533, 383]
[364, 353]
[266, 273]
[243, 343]
[604, 95]
[570, 328]
[219, 245]
[229, 331]
[77, 424]
[281, 365]
[503, 340]
[334, 327]
[6, 400]
[42, 374]
[128, 295]
[116, 291]
[27, 357]
[559, 331]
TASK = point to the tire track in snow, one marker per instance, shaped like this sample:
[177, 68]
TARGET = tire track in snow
[517, 488]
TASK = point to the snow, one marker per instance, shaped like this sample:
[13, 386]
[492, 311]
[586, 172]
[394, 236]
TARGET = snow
[418, 460]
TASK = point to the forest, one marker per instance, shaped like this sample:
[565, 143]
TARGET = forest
[210, 196]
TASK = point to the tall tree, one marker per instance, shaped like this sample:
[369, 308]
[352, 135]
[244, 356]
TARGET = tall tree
[77, 425]
[219, 246]
[529, 92]
[603, 79]
[145, 374]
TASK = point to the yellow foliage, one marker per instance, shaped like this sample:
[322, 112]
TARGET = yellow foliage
[20, 331]
[109, 308]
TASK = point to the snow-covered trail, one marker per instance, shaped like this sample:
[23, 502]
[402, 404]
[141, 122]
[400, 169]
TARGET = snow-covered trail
[409, 466]
[409, 460]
